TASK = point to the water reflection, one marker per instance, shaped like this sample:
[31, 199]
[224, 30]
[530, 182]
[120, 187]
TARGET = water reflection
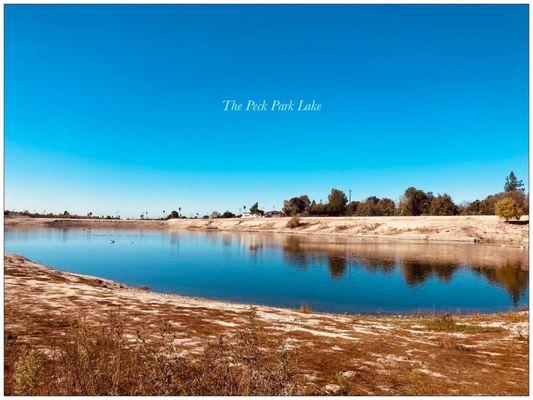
[416, 268]
[328, 274]
[514, 280]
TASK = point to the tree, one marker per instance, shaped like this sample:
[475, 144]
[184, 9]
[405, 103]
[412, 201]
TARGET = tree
[254, 210]
[386, 207]
[336, 202]
[443, 205]
[305, 202]
[512, 183]
[228, 214]
[351, 207]
[374, 206]
[368, 208]
[415, 202]
[473, 208]
[318, 209]
[296, 205]
[508, 209]
[487, 206]
[173, 214]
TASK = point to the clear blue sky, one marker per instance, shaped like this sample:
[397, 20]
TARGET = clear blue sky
[119, 108]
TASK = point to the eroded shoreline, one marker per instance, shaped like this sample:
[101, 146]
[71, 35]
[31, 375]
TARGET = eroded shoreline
[366, 354]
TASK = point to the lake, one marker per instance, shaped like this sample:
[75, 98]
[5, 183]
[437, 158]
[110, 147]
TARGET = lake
[288, 270]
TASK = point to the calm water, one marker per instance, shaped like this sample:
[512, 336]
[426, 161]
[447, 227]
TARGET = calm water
[327, 275]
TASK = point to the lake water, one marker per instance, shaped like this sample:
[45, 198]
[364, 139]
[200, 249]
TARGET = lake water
[325, 274]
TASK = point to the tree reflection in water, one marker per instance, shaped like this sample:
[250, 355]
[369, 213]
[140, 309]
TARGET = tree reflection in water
[415, 272]
[514, 280]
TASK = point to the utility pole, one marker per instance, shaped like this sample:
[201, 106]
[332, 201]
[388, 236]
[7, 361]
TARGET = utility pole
[350, 195]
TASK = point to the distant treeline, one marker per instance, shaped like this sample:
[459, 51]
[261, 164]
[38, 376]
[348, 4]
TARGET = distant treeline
[413, 202]
[511, 203]
[64, 214]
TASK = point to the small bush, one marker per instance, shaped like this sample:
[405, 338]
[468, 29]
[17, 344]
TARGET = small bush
[508, 209]
[294, 222]
[442, 322]
[304, 308]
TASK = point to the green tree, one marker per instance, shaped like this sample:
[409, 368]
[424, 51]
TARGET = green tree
[386, 207]
[336, 202]
[254, 210]
[368, 208]
[351, 207]
[443, 205]
[473, 208]
[173, 214]
[487, 206]
[508, 209]
[228, 214]
[296, 205]
[512, 183]
[415, 202]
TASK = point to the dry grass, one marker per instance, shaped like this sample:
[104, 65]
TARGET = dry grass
[304, 308]
[365, 228]
[103, 360]
[426, 229]
[174, 344]
[447, 323]
[342, 227]
[294, 222]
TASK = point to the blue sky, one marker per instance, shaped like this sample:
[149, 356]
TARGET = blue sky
[119, 108]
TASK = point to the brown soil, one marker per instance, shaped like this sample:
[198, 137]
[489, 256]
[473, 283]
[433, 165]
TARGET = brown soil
[463, 355]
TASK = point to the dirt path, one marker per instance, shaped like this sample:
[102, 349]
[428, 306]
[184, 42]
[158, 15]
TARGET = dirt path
[483, 354]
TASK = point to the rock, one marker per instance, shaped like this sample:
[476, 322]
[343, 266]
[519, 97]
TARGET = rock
[349, 374]
[333, 389]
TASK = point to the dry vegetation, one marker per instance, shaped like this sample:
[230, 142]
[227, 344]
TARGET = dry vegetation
[102, 359]
[73, 334]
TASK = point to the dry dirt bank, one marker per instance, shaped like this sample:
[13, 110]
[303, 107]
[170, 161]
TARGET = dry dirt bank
[83, 223]
[482, 354]
[484, 229]
[487, 229]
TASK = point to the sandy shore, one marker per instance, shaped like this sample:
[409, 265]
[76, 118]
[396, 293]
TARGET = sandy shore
[472, 229]
[480, 354]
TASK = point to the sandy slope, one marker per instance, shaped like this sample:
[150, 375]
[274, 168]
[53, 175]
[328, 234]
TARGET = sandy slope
[488, 354]
[486, 229]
